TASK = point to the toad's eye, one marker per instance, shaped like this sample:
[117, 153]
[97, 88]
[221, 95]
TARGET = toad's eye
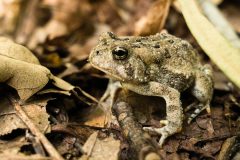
[120, 53]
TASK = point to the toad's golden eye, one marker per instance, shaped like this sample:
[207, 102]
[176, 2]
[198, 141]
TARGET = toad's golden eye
[120, 53]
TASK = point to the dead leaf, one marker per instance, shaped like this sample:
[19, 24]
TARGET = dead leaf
[53, 90]
[103, 149]
[9, 156]
[97, 118]
[10, 121]
[12, 146]
[20, 69]
[228, 148]
[213, 147]
[15, 51]
[154, 20]
[215, 17]
[172, 145]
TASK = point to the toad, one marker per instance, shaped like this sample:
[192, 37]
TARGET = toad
[159, 65]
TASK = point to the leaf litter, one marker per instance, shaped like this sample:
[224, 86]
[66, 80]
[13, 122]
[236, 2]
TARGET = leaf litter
[60, 35]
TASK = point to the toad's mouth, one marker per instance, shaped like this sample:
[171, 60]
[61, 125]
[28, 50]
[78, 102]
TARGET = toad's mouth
[108, 73]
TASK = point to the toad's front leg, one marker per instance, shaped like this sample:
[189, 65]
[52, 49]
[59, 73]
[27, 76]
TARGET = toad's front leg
[174, 119]
[174, 111]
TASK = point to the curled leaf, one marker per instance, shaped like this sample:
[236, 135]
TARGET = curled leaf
[20, 69]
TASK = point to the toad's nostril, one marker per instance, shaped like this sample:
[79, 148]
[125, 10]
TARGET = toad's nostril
[97, 52]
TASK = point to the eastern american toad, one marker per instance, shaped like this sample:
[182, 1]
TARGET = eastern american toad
[159, 65]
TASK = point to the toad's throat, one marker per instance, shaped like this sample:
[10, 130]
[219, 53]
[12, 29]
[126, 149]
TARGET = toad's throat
[116, 77]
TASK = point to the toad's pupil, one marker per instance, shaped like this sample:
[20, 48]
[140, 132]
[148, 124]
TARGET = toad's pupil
[120, 53]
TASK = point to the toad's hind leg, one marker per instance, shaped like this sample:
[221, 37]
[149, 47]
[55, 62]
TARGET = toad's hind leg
[202, 90]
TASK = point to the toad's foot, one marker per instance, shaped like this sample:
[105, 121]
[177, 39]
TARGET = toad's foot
[165, 131]
[198, 108]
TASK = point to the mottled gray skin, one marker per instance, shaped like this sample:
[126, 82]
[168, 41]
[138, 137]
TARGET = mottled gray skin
[159, 65]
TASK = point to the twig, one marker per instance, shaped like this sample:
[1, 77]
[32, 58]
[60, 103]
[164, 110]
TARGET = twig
[218, 138]
[38, 148]
[48, 146]
[141, 144]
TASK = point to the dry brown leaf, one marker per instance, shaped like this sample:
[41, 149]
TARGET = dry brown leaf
[103, 149]
[10, 121]
[67, 16]
[213, 147]
[97, 118]
[155, 19]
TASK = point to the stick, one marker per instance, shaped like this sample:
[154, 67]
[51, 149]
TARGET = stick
[48, 146]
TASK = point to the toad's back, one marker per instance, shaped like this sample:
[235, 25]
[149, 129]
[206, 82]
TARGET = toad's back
[171, 60]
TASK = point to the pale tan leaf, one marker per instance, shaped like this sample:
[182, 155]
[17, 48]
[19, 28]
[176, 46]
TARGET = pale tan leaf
[21, 156]
[101, 149]
[20, 69]
[215, 16]
[221, 52]
[12, 50]
[53, 90]
[62, 84]
[10, 121]
[13, 146]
